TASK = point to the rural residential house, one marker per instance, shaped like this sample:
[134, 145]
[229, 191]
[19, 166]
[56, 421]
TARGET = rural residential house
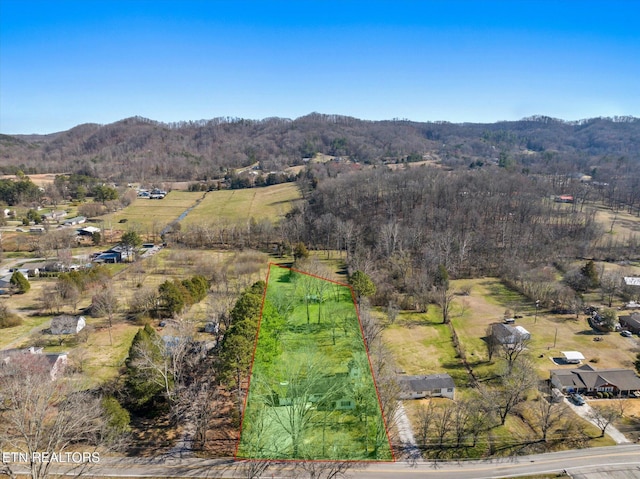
[78, 220]
[508, 334]
[67, 324]
[588, 380]
[54, 363]
[117, 254]
[630, 322]
[331, 393]
[418, 387]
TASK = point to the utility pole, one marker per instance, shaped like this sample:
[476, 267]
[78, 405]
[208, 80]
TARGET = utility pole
[537, 306]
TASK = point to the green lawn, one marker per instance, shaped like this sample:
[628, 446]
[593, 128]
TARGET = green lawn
[312, 394]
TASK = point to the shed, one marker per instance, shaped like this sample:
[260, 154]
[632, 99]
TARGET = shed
[573, 357]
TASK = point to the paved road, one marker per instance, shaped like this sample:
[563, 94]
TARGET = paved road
[578, 463]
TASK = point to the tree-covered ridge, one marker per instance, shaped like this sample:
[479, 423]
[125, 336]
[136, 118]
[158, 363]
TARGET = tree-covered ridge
[206, 149]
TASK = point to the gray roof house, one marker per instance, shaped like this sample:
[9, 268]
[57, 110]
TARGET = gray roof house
[630, 322]
[54, 363]
[418, 387]
[587, 379]
[67, 324]
[508, 334]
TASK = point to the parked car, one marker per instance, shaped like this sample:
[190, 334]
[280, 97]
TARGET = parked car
[626, 334]
[578, 399]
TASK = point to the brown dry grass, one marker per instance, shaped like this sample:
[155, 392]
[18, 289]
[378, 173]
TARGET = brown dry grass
[40, 179]
[550, 333]
[624, 224]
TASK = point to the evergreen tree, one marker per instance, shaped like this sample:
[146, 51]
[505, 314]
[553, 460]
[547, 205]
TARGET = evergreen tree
[172, 296]
[237, 348]
[590, 273]
[300, 251]
[441, 279]
[362, 284]
[20, 282]
[144, 391]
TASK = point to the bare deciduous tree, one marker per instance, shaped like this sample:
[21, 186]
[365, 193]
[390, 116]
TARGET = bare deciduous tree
[42, 415]
[106, 303]
[603, 416]
[548, 414]
[511, 391]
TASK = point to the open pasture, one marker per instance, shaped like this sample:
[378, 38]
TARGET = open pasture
[239, 206]
[146, 215]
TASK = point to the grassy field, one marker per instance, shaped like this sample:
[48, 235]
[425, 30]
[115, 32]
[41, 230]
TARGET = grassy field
[623, 223]
[271, 202]
[421, 344]
[312, 394]
[146, 215]
[550, 333]
[231, 206]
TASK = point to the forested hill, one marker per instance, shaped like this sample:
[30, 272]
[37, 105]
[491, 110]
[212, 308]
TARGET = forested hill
[127, 149]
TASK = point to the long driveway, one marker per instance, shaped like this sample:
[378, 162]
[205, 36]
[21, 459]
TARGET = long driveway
[585, 412]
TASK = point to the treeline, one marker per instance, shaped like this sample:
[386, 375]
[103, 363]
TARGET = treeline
[406, 224]
[235, 354]
[137, 147]
[20, 191]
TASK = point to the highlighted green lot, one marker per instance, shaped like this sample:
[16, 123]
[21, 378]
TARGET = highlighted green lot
[312, 395]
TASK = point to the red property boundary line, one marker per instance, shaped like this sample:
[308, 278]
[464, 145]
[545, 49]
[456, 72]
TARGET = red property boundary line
[366, 348]
[253, 358]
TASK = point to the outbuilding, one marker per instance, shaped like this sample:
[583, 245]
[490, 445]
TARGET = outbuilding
[573, 357]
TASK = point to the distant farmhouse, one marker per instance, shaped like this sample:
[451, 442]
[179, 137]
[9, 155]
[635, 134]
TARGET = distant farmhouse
[117, 254]
[54, 216]
[632, 289]
[632, 281]
[588, 380]
[67, 324]
[418, 387]
[78, 220]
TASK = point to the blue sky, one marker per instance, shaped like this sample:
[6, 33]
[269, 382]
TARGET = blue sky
[63, 63]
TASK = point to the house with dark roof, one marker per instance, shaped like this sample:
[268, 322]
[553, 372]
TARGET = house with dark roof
[67, 324]
[588, 380]
[630, 322]
[434, 385]
[117, 254]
